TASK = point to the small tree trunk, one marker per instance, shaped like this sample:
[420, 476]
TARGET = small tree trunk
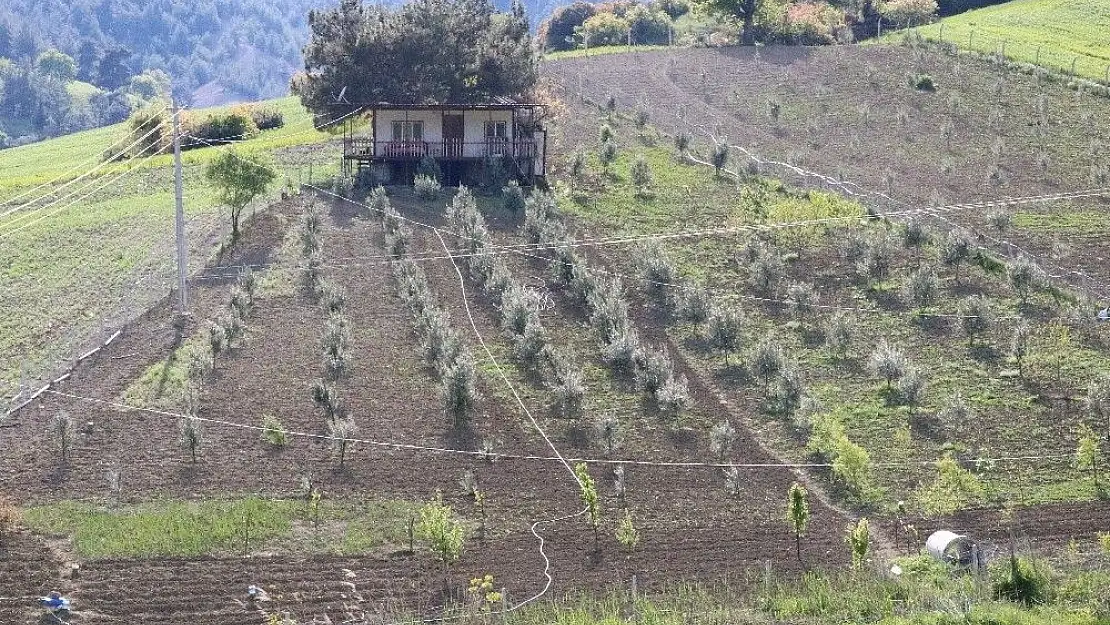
[798, 545]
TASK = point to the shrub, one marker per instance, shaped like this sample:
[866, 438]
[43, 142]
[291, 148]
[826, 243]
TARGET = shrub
[887, 362]
[266, 117]
[217, 128]
[233, 329]
[239, 302]
[311, 271]
[640, 174]
[724, 331]
[682, 142]
[657, 269]
[851, 465]
[878, 259]
[956, 412]
[198, 364]
[913, 234]
[858, 540]
[150, 132]
[839, 333]
[577, 165]
[609, 310]
[1019, 345]
[216, 339]
[1000, 220]
[519, 308]
[922, 82]
[512, 197]
[767, 361]
[1022, 580]
[734, 481]
[976, 317]
[721, 438]
[605, 134]
[273, 432]
[429, 168]
[63, 431]
[460, 390]
[426, 187]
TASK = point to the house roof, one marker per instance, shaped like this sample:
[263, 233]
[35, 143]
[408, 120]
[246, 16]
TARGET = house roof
[496, 103]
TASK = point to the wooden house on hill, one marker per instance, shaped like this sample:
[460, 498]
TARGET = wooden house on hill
[462, 138]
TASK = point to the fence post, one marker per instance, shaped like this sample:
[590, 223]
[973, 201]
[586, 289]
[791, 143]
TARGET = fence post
[970, 36]
[1073, 64]
[942, 32]
[1038, 57]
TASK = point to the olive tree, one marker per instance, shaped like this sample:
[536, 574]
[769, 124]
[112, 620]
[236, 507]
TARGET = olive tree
[724, 331]
[955, 251]
[976, 317]
[192, 435]
[1019, 345]
[887, 362]
[239, 178]
[839, 333]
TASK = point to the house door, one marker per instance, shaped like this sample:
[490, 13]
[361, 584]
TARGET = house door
[452, 136]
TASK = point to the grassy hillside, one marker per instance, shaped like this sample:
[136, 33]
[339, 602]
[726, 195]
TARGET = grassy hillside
[74, 264]
[1063, 31]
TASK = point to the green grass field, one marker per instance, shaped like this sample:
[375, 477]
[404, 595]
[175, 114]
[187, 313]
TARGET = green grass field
[1062, 30]
[94, 254]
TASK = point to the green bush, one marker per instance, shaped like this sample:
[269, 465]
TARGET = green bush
[426, 187]
[267, 117]
[1022, 580]
[923, 82]
[218, 128]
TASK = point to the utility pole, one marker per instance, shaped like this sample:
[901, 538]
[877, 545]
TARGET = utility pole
[182, 261]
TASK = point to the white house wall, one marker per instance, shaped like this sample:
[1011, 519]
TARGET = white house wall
[474, 124]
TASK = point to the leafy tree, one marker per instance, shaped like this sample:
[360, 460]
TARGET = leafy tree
[745, 10]
[57, 65]
[719, 158]
[240, 178]
[557, 31]
[442, 531]
[953, 488]
[588, 493]
[1088, 456]
[858, 539]
[797, 514]
[802, 298]
[114, 69]
[607, 155]
[425, 51]
[605, 29]
[460, 390]
[721, 438]
[725, 330]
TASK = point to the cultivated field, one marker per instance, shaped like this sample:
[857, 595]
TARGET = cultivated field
[693, 424]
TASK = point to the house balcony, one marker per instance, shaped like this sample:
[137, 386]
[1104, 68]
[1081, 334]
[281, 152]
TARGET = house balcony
[369, 150]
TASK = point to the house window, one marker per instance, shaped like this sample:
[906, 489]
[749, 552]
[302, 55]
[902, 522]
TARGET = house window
[408, 131]
[497, 130]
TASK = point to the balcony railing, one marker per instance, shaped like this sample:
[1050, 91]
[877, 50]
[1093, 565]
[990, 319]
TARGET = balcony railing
[450, 149]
